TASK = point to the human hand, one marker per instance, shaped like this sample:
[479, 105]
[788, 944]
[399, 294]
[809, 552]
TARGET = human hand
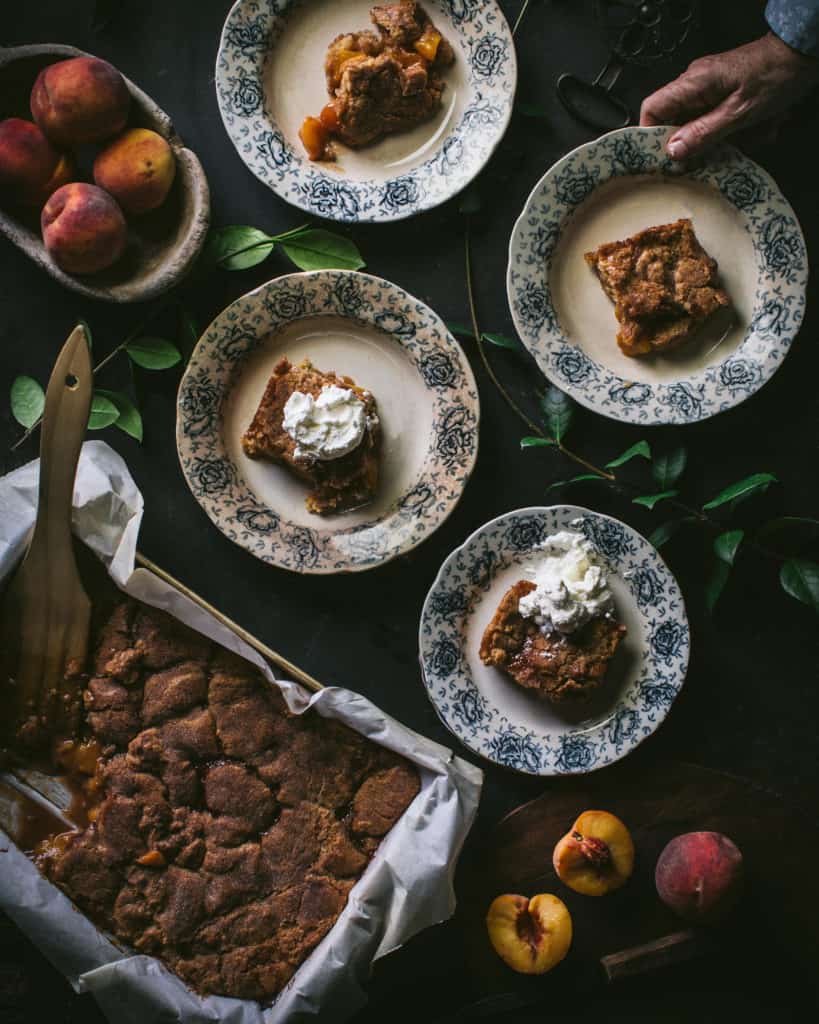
[728, 92]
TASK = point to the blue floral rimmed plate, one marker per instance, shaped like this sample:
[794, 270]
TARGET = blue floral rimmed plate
[387, 341]
[269, 76]
[619, 184]
[497, 719]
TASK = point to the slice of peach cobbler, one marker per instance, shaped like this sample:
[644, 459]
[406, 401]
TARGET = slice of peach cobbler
[663, 284]
[380, 82]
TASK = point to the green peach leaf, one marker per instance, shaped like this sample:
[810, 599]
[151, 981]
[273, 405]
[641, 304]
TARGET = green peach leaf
[27, 401]
[640, 449]
[800, 579]
[318, 249]
[103, 412]
[668, 468]
[742, 489]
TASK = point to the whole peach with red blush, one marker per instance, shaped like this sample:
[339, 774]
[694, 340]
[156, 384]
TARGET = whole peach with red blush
[30, 167]
[699, 876]
[83, 229]
[80, 100]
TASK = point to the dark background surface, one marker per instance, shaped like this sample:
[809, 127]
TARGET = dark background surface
[751, 701]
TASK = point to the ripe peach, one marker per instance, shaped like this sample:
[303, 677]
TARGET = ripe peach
[596, 855]
[531, 936]
[84, 230]
[699, 875]
[30, 167]
[80, 100]
[137, 169]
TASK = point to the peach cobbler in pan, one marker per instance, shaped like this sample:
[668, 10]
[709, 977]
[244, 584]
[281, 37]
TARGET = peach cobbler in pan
[224, 833]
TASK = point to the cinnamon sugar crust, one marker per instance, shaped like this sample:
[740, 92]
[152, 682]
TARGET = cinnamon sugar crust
[663, 284]
[229, 832]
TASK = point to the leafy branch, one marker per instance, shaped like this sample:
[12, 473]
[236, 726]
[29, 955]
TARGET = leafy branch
[798, 577]
[239, 247]
[236, 247]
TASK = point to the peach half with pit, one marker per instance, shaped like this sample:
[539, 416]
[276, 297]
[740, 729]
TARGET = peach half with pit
[530, 935]
[699, 876]
[596, 856]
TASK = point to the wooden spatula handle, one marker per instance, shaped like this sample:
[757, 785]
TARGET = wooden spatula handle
[52, 609]
[663, 952]
[67, 407]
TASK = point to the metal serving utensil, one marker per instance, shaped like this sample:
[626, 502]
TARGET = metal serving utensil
[639, 32]
[45, 613]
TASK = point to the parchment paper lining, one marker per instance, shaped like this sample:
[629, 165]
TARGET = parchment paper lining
[406, 887]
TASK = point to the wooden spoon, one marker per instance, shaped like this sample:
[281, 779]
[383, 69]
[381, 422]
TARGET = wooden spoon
[45, 613]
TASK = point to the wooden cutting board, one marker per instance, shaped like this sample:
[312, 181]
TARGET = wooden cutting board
[657, 801]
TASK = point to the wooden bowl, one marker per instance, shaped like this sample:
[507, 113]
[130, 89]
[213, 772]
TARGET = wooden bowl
[162, 245]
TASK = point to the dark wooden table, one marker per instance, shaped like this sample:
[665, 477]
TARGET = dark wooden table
[751, 702]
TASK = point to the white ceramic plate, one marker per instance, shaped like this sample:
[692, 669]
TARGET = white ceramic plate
[270, 75]
[611, 188]
[388, 342]
[496, 718]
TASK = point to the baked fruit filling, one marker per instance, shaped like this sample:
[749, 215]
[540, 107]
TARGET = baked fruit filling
[557, 666]
[337, 483]
[380, 82]
[663, 284]
[228, 832]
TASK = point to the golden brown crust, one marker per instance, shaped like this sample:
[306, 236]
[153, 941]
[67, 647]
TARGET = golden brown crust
[663, 284]
[336, 484]
[557, 667]
[378, 83]
[229, 832]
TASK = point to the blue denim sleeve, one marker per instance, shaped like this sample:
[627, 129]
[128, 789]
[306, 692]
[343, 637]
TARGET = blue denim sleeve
[796, 22]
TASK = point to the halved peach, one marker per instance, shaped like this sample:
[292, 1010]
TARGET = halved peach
[530, 935]
[596, 855]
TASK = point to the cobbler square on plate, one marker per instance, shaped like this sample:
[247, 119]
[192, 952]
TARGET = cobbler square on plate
[663, 284]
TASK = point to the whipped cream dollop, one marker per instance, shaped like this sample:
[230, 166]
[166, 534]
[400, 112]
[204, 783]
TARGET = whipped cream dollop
[570, 585]
[325, 427]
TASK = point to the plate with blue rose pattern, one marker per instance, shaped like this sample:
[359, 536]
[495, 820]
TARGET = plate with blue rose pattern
[389, 343]
[496, 718]
[608, 190]
[270, 75]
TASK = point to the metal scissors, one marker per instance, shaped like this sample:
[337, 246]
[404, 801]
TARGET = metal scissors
[639, 32]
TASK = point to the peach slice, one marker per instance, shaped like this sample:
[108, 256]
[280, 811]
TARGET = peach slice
[596, 855]
[530, 935]
[428, 43]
